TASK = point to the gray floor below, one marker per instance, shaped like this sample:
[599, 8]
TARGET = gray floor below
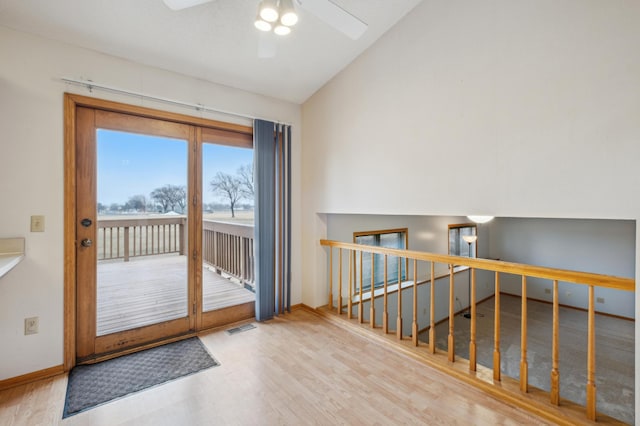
[614, 351]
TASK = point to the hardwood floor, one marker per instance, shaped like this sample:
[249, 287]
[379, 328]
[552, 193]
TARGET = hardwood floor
[295, 369]
[152, 289]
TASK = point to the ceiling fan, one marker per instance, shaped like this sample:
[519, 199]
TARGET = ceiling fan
[325, 10]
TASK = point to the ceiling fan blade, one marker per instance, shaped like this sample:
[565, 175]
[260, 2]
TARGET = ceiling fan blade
[183, 4]
[335, 16]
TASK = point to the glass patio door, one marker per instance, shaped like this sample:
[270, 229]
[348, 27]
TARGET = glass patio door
[134, 227]
[227, 271]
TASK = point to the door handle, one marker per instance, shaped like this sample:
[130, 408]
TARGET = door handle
[86, 242]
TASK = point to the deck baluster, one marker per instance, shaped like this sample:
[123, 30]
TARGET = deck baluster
[555, 373]
[372, 300]
[360, 305]
[451, 342]
[330, 304]
[385, 314]
[340, 281]
[472, 342]
[399, 317]
[591, 358]
[496, 331]
[432, 312]
[350, 301]
[126, 243]
[414, 327]
[524, 366]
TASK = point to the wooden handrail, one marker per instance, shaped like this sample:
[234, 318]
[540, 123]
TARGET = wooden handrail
[564, 275]
[356, 296]
[140, 236]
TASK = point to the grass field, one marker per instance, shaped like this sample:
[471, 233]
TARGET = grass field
[242, 216]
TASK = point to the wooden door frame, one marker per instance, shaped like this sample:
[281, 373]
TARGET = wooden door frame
[228, 132]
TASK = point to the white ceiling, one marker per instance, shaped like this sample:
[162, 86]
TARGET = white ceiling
[215, 41]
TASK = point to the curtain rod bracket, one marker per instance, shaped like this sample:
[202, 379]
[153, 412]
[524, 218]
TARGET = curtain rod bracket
[91, 85]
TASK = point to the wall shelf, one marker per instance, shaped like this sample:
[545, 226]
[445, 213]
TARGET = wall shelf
[11, 253]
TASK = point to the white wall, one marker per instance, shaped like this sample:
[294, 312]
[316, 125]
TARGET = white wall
[513, 109]
[31, 173]
[599, 246]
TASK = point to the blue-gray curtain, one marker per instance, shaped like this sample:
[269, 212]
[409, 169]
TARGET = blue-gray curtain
[272, 150]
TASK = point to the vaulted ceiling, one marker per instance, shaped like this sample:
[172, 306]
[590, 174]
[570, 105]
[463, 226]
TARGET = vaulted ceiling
[215, 41]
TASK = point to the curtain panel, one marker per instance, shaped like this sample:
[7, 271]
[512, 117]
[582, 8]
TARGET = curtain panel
[272, 169]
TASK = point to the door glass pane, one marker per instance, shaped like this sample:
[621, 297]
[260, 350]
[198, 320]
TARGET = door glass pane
[142, 230]
[228, 277]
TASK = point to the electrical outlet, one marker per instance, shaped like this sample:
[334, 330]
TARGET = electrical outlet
[600, 299]
[547, 291]
[37, 223]
[31, 325]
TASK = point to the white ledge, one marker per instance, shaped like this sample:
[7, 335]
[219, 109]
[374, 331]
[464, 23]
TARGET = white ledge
[11, 253]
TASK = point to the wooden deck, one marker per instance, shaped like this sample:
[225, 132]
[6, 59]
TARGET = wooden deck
[151, 289]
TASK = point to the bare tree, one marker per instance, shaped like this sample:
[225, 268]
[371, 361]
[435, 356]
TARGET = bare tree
[180, 196]
[169, 197]
[245, 174]
[229, 187]
[137, 203]
[115, 207]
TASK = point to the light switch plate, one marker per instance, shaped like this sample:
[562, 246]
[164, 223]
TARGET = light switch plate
[37, 223]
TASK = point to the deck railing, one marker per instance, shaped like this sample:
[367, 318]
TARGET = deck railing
[343, 287]
[132, 237]
[227, 247]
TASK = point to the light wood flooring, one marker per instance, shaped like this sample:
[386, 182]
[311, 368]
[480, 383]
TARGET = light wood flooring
[294, 370]
[152, 289]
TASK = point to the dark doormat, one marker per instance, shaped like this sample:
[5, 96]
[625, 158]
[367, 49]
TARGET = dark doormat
[96, 384]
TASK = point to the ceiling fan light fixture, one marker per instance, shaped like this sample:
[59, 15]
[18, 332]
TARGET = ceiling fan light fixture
[282, 30]
[289, 19]
[268, 10]
[288, 14]
[261, 24]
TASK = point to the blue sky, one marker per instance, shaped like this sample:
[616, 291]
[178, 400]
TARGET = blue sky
[131, 164]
